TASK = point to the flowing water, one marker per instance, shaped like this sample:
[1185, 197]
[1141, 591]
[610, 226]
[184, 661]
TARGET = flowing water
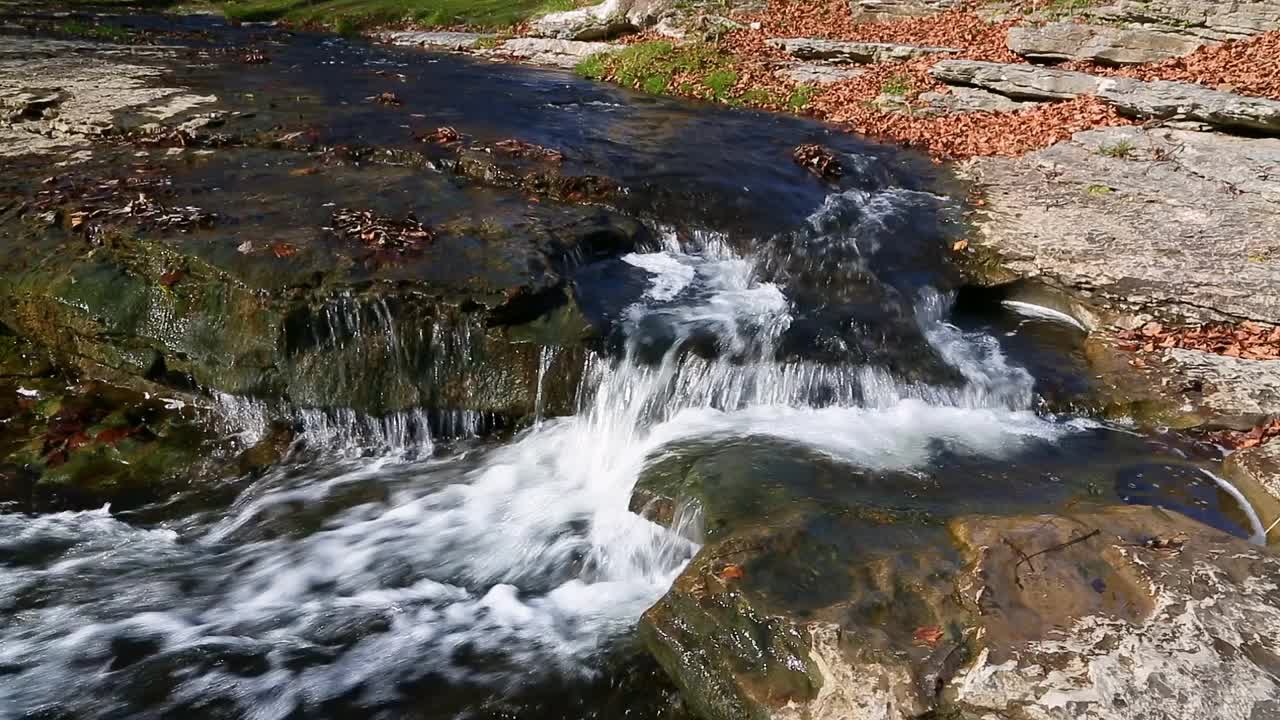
[407, 565]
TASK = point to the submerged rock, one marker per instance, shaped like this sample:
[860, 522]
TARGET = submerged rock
[1039, 616]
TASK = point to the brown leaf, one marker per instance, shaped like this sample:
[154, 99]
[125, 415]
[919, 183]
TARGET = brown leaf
[172, 277]
[283, 250]
[111, 436]
[731, 572]
[960, 245]
[928, 635]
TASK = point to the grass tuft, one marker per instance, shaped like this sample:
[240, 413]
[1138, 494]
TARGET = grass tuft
[1122, 149]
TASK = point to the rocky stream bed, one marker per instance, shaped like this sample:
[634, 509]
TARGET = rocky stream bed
[345, 380]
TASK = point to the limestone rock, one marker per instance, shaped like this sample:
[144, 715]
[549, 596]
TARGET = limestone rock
[1256, 473]
[456, 41]
[839, 51]
[52, 102]
[1235, 386]
[969, 99]
[1176, 223]
[1163, 99]
[1099, 43]
[816, 73]
[1154, 613]
[600, 22]
[979, 631]
[554, 53]
[1159, 99]
[1017, 81]
[894, 9]
[1232, 20]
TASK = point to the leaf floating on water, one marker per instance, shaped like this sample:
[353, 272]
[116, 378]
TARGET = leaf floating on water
[731, 572]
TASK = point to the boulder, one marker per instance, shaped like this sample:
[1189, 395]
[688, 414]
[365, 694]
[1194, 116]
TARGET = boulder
[1017, 81]
[839, 51]
[553, 53]
[816, 73]
[456, 41]
[876, 10]
[1099, 43]
[604, 21]
[1171, 223]
[1163, 100]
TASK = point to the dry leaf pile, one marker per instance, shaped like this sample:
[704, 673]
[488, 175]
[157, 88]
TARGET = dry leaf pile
[377, 231]
[1259, 435]
[93, 202]
[1249, 340]
[1250, 67]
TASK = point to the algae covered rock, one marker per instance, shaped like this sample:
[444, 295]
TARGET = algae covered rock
[824, 591]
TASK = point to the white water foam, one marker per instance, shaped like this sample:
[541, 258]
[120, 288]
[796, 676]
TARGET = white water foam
[495, 567]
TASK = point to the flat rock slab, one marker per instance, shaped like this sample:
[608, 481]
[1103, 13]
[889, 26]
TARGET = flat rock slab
[457, 41]
[1019, 81]
[553, 53]
[1175, 223]
[1159, 99]
[1181, 624]
[55, 102]
[895, 9]
[816, 73]
[1162, 99]
[963, 99]
[1206, 19]
[1233, 386]
[839, 51]
[1099, 43]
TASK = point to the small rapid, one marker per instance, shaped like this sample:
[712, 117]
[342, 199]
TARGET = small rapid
[435, 562]
[375, 562]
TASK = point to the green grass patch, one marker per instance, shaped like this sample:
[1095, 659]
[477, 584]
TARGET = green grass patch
[1122, 149]
[1098, 190]
[800, 97]
[93, 31]
[663, 68]
[354, 15]
[897, 85]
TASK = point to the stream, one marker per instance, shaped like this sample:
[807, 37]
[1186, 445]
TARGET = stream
[419, 556]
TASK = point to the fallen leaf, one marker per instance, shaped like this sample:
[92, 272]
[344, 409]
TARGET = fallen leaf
[283, 250]
[731, 572]
[928, 635]
[960, 245]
